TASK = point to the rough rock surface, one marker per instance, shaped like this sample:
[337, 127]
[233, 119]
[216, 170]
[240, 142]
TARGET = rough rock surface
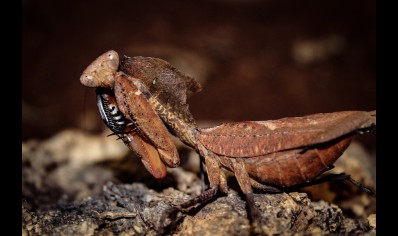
[71, 188]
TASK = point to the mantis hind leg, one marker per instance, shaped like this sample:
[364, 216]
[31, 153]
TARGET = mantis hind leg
[338, 177]
[327, 178]
[245, 184]
[186, 206]
[217, 182]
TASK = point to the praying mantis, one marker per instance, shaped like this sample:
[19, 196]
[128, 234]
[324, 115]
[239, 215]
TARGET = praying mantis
[143, 101]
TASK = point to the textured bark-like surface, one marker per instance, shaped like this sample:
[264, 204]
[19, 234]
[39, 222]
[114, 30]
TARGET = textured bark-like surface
[255, 138]
[80, 184]
[135, 210]
[164, 81]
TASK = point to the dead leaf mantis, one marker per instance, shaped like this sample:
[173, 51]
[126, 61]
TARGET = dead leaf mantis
[270, 155]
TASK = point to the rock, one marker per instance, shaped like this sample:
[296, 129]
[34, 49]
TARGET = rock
[65, 194]
[135, 209]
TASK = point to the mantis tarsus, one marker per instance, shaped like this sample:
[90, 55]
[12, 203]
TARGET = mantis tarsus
[270, 155]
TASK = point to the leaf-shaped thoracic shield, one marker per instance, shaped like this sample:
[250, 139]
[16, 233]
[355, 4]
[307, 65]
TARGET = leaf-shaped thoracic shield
[256, 138]
[165, 82]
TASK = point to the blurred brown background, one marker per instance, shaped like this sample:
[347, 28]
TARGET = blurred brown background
[256, 60]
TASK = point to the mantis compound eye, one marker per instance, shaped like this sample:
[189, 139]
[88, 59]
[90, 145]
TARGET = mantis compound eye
[100, 73]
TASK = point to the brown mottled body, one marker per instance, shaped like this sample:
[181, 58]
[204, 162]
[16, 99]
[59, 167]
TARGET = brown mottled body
[170, 86]
[181, 127]
[269, 155]
[284, 152]
[281, 153]
[147, 138]
[294, 159]
[255, 138]
[291, 167]
[134, 105]
[167, 90]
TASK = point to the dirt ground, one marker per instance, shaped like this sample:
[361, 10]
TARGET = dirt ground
[256, 60]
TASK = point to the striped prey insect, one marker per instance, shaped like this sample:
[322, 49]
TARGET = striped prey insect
[129, 133]
[269, 155]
